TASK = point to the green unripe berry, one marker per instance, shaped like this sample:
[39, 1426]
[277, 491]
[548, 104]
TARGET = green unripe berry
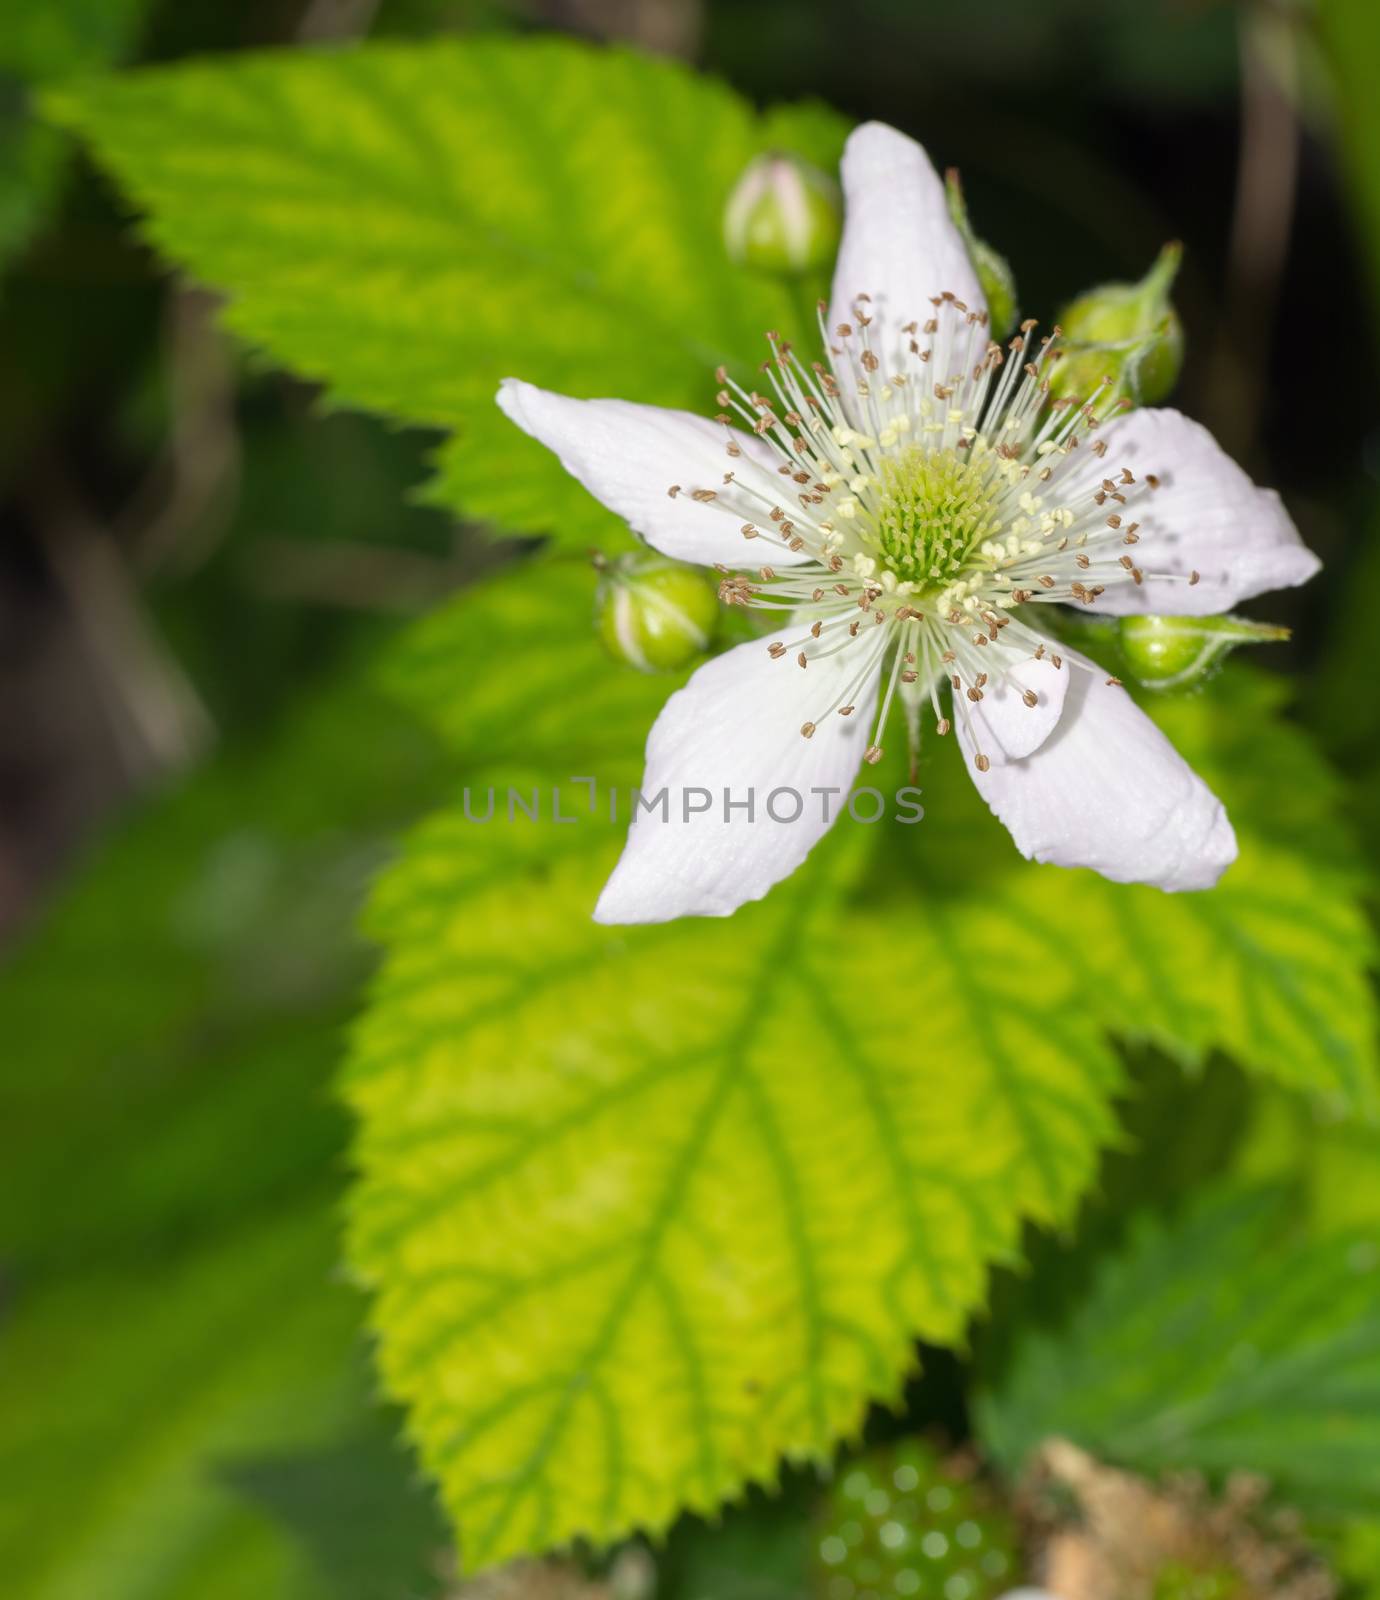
[993, 270]
[1128, 332]
[1174, 652]
[655, 615]
[783, 218]
[900, 1525]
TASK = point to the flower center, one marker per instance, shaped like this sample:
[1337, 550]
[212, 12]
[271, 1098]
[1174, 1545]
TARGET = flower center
[934, 508]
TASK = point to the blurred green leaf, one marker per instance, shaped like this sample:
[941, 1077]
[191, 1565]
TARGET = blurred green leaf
[172, 1320]
[42, 41]
[122, 1393]
[410, 224]
[1213, 1342]
[758, 1549]
[183, 1000]
[1350, 32]
[369, 1524]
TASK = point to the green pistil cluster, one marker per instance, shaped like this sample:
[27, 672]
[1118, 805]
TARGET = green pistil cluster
[934, 510]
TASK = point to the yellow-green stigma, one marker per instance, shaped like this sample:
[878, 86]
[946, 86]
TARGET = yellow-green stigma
[935, 508]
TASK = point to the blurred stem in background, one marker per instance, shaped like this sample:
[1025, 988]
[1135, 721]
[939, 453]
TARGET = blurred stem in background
[669, 27]
[1262, 219]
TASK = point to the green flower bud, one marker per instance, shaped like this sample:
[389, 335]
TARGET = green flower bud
[1173, 652]
[993, 270]
[654, 614]
[783, 218]
[1128, 332]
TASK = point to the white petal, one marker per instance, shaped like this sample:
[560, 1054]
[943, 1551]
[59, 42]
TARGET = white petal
[629, 456]
[1001, 725]
[1108, 791]
[1206, 516]
[899, 244]
[736, 726]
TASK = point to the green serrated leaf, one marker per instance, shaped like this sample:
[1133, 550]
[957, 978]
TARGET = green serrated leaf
[412, 223]
[1214, 1343]
[645, 1210]
[1274, 965]
[558, 701]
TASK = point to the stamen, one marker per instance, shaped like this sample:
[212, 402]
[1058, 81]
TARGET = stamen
[926, 488]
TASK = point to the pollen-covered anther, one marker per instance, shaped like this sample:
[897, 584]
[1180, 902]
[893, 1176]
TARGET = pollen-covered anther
[808, 729]
[873, 754]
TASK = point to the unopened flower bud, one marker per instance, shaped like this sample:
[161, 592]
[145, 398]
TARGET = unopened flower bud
[656, 615]
[784, 217]
[993, 270]
[1128, 332]
[1174, 652]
